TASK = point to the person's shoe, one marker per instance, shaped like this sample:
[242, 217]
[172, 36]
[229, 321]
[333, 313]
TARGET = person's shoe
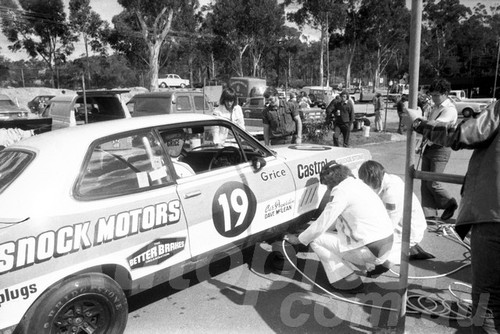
[379, 270]
[351, 284]
[417, 253]
[450, 209]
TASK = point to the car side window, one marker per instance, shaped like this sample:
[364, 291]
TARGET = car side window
[183, 104]
[123, 165]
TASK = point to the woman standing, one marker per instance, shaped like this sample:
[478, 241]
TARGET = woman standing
[228, 108]
[435, 157]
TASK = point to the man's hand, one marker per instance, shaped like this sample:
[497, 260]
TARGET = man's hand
[292, 239]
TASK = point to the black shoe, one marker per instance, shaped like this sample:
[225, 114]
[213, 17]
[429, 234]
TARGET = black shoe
[379, 270]
[450, 209]
[417, 253]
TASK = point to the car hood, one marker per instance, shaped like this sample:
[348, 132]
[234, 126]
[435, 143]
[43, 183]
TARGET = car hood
[320, 154]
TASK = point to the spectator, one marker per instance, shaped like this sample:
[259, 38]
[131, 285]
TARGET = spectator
[228, 108]
[343, 116]
[479, 211]
[281, 121]
[401, 107]
[435, 156]
[378, 105]
[390, 189]
[364, 230]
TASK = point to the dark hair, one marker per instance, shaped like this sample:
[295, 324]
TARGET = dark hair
[228, 94]
[270, 91]
[371, 173]
[332, 174]
[442, 86]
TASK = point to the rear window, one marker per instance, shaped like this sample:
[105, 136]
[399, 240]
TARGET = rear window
[12, 164]
[200, 103]
[183, 104]
[145, 106]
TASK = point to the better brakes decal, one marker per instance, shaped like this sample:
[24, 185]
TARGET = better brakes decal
[27, 251]
[156, 252]
[233, 208]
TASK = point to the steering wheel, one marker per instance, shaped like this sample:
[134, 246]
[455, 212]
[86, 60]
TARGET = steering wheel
[234, 151]
[203, 146]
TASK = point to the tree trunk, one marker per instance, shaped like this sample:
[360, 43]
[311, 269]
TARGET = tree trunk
[154, 66]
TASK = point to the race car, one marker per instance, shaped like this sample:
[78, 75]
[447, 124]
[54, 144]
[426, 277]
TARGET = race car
[91, 215]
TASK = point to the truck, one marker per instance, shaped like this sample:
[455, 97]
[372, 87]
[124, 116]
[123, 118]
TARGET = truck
[246, 87]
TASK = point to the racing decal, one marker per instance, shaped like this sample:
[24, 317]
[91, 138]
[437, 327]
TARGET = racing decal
[278, 207]
[349, 159]
[27, 251]
[273, 175]
[305, 147]
[309, 170]
[6, 295]
[156, 252]
[233, 208]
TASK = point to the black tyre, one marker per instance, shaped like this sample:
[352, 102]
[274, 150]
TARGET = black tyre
[87, 303]
[163, 85]
[183, 85]
[467, 112]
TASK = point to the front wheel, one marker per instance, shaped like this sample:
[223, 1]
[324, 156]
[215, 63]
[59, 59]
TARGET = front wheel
[467, 112]
[87, 303]
[183, 85]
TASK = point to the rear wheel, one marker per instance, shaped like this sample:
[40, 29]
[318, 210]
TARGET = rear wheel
[87, 303]
[467, 112]
[163, 85]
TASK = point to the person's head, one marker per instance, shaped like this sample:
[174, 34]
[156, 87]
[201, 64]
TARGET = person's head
[344, 95]
[404, 97]
[333, 173]
[372, 173]
[439, 90]
[228, 98]
[378, 95]
[292, 96]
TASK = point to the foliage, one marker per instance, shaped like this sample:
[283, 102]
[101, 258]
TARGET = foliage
[315, 132]
[40, 28]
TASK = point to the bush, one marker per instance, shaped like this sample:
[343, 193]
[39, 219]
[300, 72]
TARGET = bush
[315, 131]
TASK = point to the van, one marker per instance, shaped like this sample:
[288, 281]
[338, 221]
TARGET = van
[169, 102]
[246, 87]
[98, 105]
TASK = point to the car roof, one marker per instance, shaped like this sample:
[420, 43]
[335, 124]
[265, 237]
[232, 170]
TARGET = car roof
[85, 134]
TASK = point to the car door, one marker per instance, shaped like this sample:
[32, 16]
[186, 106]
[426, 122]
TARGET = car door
[226, 199]
[126, 185]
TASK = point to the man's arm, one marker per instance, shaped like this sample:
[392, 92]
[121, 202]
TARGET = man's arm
[472, 133]
[298, 123]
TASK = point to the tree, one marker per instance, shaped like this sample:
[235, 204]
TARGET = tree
[442, 20]
[386, 25]
[324, 15]
[93, 29]
[40, 28]
[240, 26]
[152, 22]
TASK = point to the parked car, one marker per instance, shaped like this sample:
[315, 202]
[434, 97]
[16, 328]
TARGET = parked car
[467, 108]
[9, 110]
[125, 205]
[169, 102]
[38, 104]
[172, 80]
[70, 110]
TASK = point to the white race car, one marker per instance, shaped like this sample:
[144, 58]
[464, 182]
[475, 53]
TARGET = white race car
[94, 214]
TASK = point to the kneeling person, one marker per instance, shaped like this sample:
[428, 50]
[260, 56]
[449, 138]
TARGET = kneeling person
[364, 234]
[390, 188]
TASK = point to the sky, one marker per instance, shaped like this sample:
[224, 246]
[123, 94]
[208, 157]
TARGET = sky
[109, 8]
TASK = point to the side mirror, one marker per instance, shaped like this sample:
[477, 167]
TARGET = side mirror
[258, 163]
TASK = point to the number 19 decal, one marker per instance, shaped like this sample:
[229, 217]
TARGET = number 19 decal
[233, 208]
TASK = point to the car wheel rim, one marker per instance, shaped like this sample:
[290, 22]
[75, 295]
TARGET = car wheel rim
[84, 314]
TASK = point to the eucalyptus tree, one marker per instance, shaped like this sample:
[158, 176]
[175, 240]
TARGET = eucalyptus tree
[40, 29]
[92, 28]
[143, 29]
[323, 15]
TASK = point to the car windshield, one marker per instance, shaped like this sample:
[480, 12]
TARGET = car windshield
[12, 164]
[150, 106]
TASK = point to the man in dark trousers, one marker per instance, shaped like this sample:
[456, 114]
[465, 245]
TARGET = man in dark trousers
[342, 113]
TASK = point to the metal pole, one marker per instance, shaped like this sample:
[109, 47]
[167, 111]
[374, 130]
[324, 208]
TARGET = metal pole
[496, 70]
[85, 99]
[415, 31]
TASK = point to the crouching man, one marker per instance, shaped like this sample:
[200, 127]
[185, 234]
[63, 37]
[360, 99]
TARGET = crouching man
[353, 233]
